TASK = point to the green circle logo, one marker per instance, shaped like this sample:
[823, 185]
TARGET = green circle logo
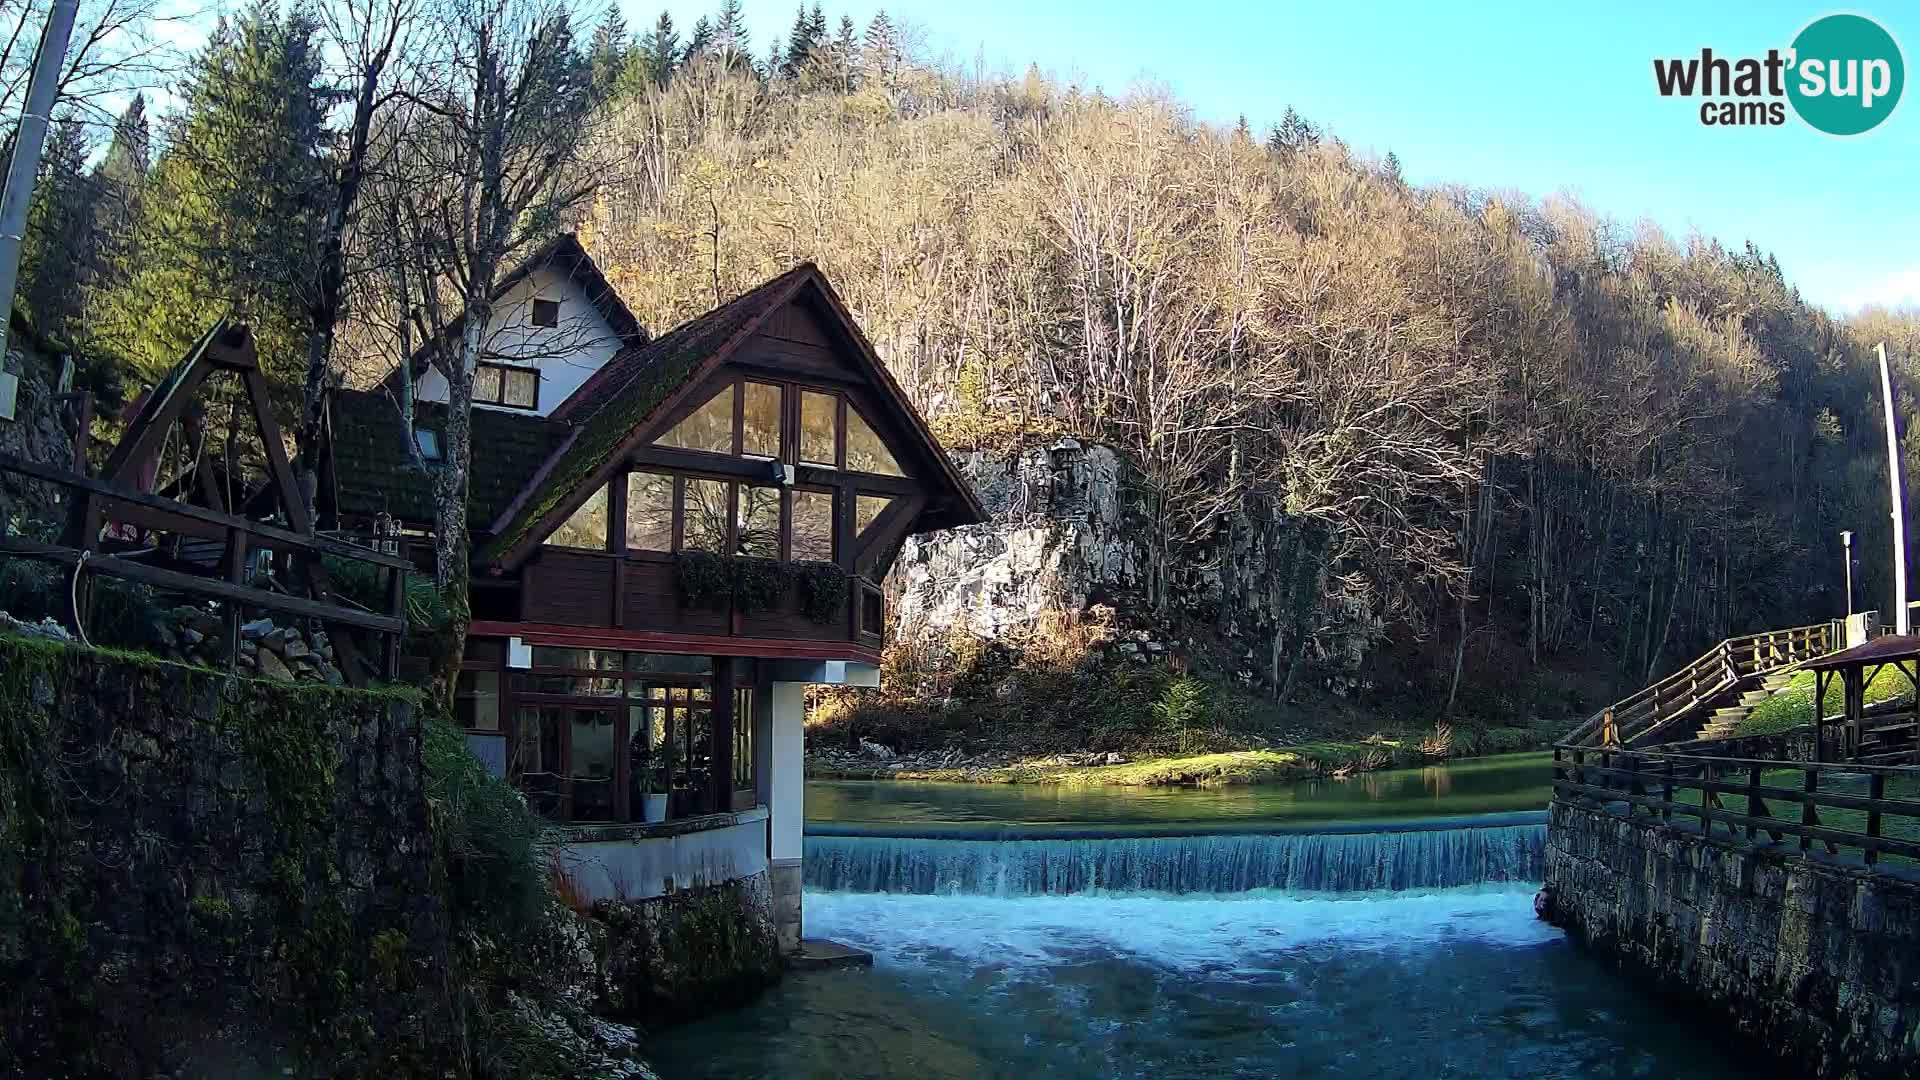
[1847, 74]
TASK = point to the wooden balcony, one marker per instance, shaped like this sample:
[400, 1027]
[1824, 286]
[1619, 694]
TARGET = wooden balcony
[647, 594]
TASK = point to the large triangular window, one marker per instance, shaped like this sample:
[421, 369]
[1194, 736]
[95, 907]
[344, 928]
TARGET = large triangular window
[865, 451]
[709, 428]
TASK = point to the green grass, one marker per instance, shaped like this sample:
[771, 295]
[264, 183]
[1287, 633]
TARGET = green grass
[1793, 706]
[1894, 826]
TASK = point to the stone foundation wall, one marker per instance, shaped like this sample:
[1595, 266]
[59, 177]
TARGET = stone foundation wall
[204, 875]
[681, 955]
[1811, 961]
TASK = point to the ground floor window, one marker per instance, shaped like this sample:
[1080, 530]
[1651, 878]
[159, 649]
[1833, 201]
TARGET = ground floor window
[591, 734]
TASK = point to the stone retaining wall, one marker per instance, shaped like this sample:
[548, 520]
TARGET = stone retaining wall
[1810, 960]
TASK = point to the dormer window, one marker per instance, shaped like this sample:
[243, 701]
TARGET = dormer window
[545, 313]
[428, 441]
[506, 385]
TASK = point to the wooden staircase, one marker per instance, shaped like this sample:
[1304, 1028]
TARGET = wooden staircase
[1725, 721]
[1714, 693]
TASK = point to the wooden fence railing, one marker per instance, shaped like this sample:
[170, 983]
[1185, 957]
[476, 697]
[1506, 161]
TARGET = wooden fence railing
[240, 536]
[1870, 810]
[1712, 674]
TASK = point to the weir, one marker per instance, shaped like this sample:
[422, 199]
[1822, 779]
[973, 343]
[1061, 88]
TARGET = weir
[1377, 859]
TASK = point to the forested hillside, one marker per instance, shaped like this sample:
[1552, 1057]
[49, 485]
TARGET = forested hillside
[1477, 428]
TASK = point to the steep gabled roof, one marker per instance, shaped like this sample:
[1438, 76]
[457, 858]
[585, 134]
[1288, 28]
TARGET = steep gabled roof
[374, 473]
[564, 254]
[611, 409]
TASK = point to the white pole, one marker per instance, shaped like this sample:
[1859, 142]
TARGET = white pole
[28, 138]
[1902, 624]
[1846, 544]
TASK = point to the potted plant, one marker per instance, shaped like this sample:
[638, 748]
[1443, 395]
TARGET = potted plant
[659, 778]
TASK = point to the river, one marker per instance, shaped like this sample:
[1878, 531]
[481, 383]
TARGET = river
[1377, 927]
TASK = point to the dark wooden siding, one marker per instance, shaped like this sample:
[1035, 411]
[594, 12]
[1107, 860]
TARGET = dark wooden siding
[574, 588]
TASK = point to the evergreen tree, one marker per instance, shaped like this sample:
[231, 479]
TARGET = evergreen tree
[56, 254]
[1241, 130]
[1293, 134]
[1390, 168]
[774, 67]
[800, 43]
[730, 37]
[846, 51]
[700, 43]
[883, 45]
[607, 57]
[118, 183]
[659, 52]
[231, 207]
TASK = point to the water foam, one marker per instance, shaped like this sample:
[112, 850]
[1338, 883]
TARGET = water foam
[1192, 933]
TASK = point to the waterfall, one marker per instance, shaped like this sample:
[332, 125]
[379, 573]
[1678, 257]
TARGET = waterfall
[1318, 862]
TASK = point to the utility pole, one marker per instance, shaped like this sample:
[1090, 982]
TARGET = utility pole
[1846, 543]
[1901, 622]
[28, 139]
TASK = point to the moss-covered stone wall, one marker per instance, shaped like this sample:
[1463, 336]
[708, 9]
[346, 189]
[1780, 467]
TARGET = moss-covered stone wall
[674, 957]
[209, 875]
[1807, 959]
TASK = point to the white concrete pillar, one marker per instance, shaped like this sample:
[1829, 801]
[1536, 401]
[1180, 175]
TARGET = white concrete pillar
[786, 711]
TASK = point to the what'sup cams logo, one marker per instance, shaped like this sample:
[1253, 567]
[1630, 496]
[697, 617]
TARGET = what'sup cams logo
[1842, 75]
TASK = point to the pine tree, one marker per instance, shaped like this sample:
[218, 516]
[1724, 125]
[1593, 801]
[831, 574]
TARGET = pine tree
[230, 208]
[800, 44]
[659, 51]
[119, 184]
[730, 38]
[1293, 134]
[817, 26]
[1240, 129]
[883, 46]
[700, 43]
[774, 67]
[846, 51]
[608, 54]
[56, 254]
[1390, 168]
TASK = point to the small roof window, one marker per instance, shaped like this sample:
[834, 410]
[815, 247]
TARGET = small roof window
[546, 313]
[428, 440]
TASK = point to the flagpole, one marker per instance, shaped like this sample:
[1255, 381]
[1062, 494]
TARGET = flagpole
[1902, 623]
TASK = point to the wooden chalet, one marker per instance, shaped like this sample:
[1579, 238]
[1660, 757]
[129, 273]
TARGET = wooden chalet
[667, 529]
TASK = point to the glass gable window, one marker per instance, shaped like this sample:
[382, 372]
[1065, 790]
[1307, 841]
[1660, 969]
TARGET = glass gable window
[865, 451]
[760, 421]
[819, 422]
[813, 526]
[649, 512]
[707, 512]
[867, 508]
[587, 528]
[709, 428]
[757, 529]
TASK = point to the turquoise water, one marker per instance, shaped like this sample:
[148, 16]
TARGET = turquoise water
[1230, 933]
[1506, 783]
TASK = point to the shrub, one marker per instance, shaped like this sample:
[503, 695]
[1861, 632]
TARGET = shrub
[493, 846]
[26, 589]
[365, 584]
[704, 580]
[823, 590]
[758, 584]
[1180, 711]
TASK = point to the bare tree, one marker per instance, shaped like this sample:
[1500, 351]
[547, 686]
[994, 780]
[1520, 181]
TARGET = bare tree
[365, 39]
[494, 143]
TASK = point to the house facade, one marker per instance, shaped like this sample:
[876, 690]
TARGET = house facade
[673, 536]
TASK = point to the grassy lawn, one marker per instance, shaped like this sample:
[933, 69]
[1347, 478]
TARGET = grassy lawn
[1891, 825]
[1793, 706]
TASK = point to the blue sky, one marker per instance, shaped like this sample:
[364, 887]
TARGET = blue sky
[1529, 96]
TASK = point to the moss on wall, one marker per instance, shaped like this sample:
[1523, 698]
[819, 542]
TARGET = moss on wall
[686, 953]
[204, 872]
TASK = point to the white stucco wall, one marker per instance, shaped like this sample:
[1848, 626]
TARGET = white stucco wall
[788, 711]
[566, 354]
[644, 866]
